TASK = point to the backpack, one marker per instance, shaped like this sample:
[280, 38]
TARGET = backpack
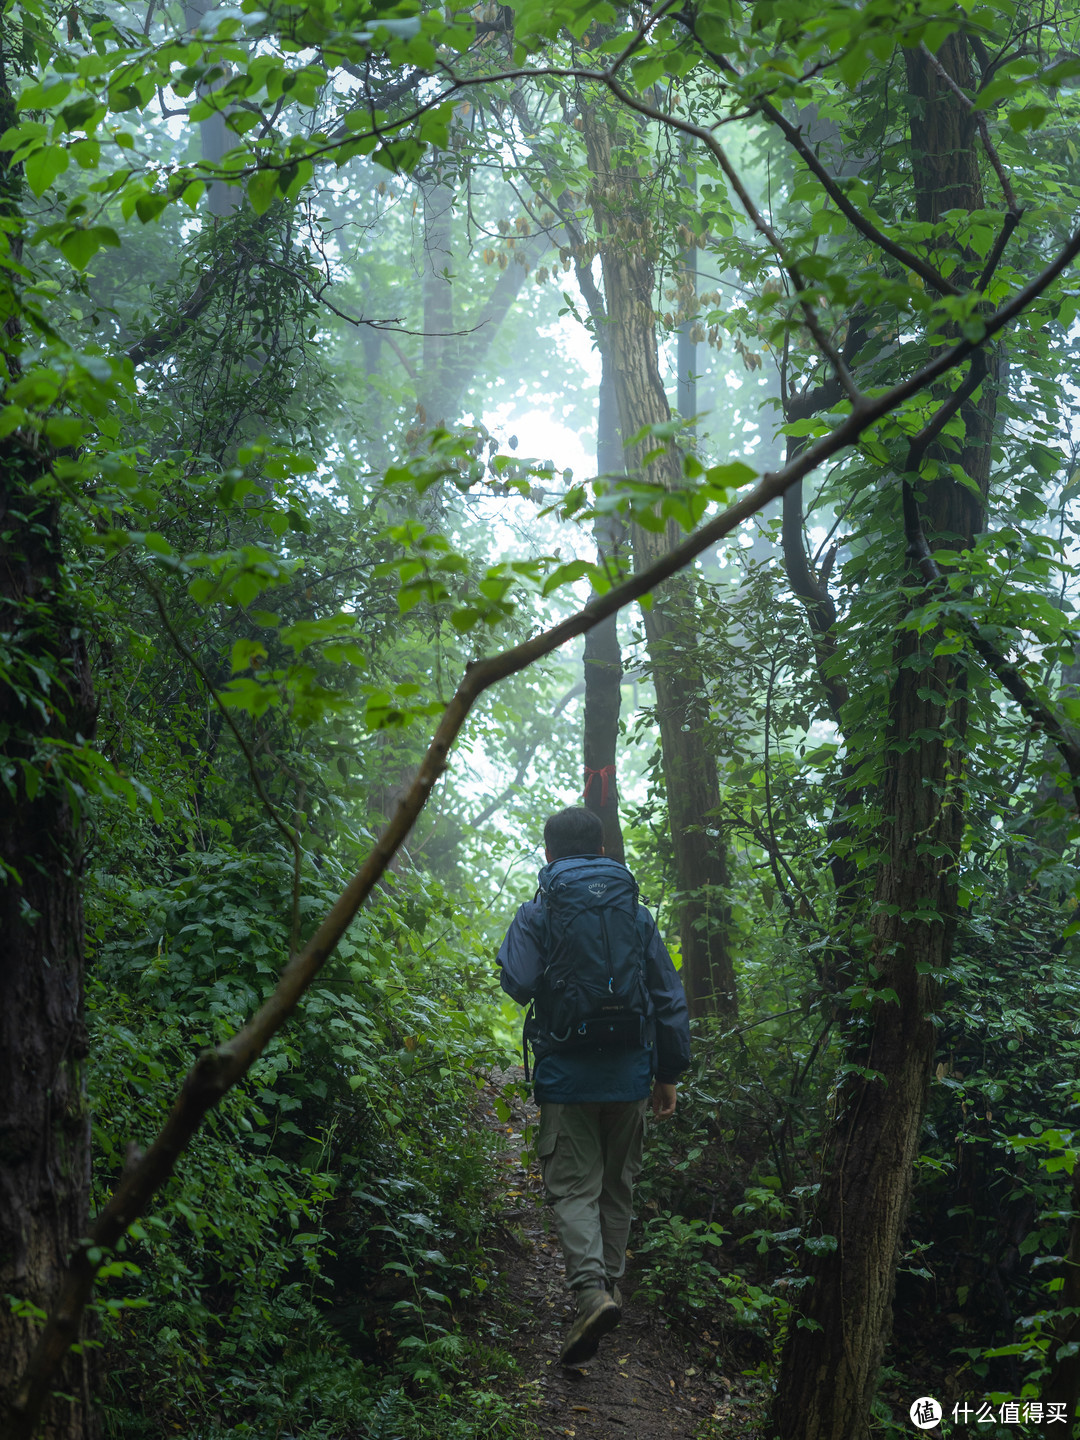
[592, 994]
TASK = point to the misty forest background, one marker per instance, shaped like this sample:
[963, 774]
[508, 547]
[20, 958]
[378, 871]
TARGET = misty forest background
[319, 322]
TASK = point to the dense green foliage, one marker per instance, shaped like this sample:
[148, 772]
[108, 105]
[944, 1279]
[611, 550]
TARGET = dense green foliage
[311, 1254]
[269, 376]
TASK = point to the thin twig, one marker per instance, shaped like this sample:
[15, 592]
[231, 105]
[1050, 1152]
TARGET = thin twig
[919, 443]
[410, 368]
[1008, 225]
[289, 834]
[165, 336]
[639, 35]
[490, 808]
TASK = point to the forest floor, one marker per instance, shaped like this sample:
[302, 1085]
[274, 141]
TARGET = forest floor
[647, 1382]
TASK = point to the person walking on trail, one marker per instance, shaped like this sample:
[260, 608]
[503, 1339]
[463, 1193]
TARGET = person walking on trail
[608, 1025]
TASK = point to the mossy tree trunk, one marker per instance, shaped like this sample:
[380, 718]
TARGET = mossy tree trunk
[603, 654]
[627, 253]
[46, 704]
[829, 1368]
[46, 696]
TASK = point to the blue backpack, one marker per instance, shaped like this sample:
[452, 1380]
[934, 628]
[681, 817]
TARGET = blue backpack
[592, 994]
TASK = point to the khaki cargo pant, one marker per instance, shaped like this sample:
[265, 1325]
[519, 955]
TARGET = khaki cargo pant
[590, 1156]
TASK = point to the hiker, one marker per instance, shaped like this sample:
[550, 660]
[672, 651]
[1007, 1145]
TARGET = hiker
[608, 1025]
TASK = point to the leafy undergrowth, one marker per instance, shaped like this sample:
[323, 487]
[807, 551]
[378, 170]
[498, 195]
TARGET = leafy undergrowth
[304, 1270]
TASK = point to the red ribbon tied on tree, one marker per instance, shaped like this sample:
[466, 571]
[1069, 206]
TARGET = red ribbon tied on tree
[605, 775]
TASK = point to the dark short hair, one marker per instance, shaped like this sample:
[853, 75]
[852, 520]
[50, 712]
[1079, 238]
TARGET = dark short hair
[573, 831]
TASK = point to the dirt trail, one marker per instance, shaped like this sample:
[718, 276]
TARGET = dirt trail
[643, 1384]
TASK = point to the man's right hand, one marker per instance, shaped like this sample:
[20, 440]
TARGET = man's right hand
[663, 1100]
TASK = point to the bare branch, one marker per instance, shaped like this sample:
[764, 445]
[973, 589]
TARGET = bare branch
[410, 368]
[165, 336]
[519, 775]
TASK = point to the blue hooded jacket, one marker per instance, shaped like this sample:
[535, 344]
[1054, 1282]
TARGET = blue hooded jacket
[578, 1077]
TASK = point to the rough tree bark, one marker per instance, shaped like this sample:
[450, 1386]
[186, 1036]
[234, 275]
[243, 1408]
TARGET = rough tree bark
[626, 254]
[44, 1117]
[603, 654]
[45, 696]
[829, 1370]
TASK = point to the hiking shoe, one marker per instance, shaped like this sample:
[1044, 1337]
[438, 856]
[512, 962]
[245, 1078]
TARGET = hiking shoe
[598, 1315]
[616, 1295]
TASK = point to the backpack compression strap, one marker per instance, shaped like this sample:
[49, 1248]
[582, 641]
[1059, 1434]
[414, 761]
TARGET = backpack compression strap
[524, 1038]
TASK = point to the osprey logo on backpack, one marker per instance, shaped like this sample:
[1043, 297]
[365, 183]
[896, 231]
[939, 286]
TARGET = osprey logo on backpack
[593, 993]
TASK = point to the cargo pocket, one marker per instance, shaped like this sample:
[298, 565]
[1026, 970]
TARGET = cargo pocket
[546, 1144]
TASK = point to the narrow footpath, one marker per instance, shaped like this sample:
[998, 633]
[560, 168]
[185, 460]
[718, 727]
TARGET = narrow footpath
[645, 1383]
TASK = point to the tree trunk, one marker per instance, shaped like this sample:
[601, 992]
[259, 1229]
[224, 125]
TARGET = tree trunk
[626, 252]
[1062, 1385]
[438, 354]
[214, 138]
[686, 401]
[603, 654]
[830, 1366]
[44, 1118]
[45, 696]
[829, 1373]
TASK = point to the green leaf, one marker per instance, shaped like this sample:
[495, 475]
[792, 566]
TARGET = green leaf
[262, 190]
[77, 116]
[1030, 118]
[44, 166]
[566, 574]
[732, 476]
[86, 153]
[149, 207]
[63, 430]
[246, 655]
[80, 246]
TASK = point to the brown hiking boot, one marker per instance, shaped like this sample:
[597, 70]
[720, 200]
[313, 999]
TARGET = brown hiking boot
[597, 1316]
